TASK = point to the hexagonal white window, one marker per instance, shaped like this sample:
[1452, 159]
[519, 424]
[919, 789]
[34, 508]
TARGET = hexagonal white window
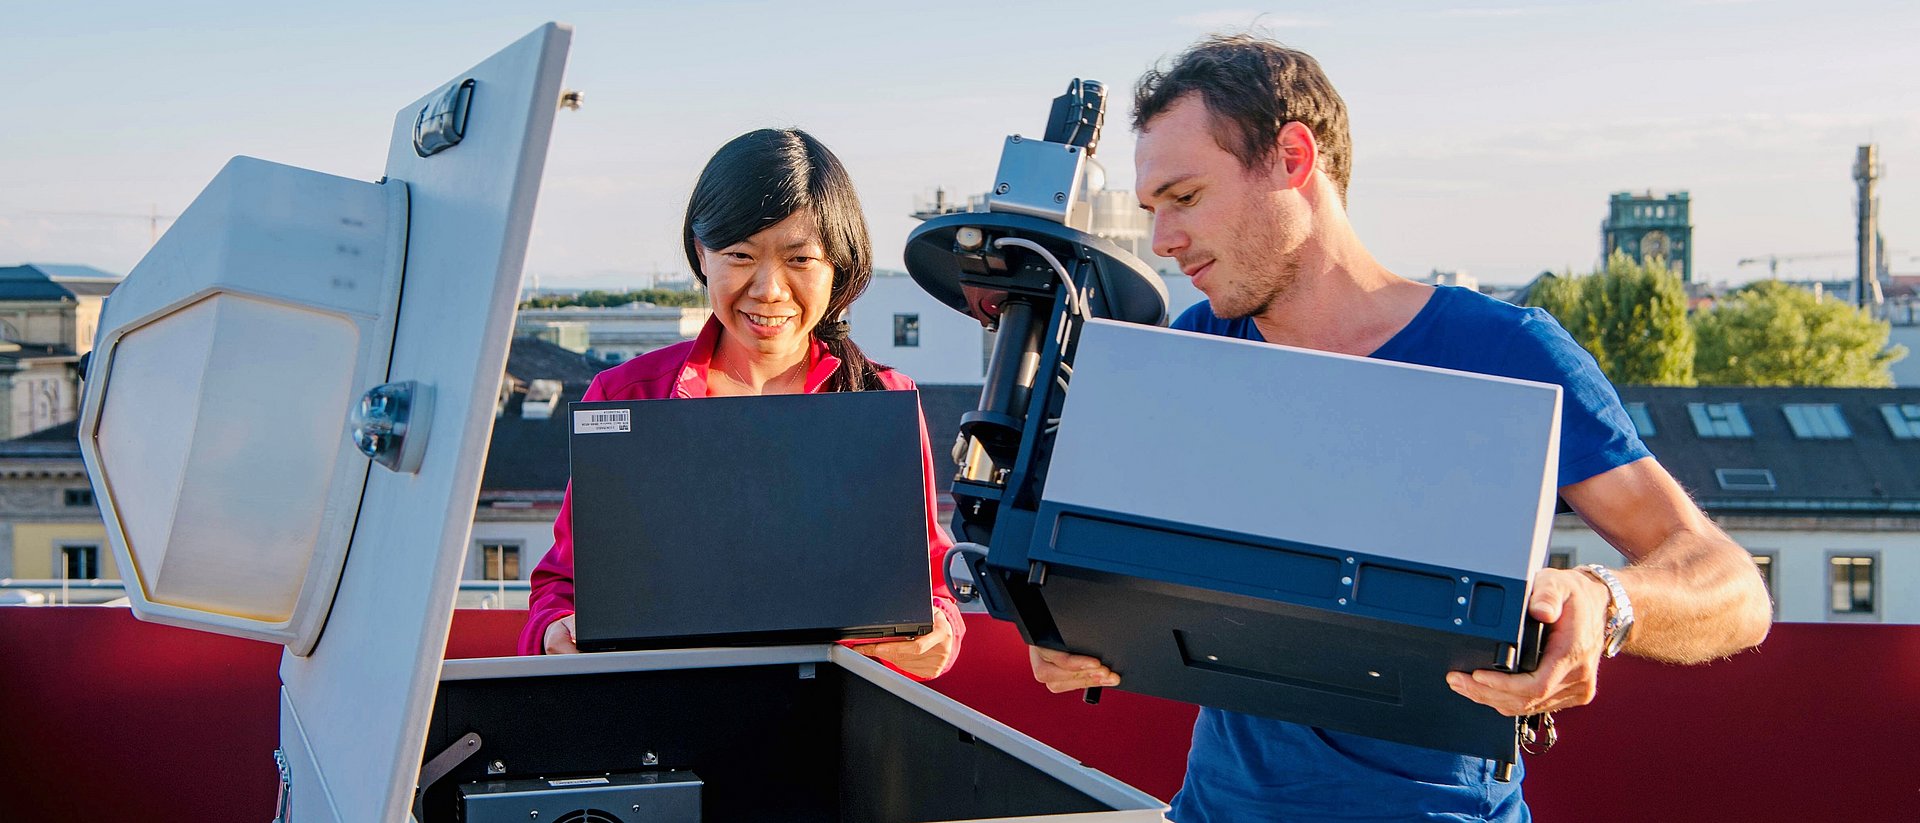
[223, 506]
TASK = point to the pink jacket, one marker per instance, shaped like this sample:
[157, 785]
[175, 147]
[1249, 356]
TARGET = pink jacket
[680, 370]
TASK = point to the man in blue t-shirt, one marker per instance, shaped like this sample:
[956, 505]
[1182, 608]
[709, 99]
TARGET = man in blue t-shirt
[1243, 159]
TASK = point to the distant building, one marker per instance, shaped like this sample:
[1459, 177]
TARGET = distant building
[50, 528]
[613, 334]
[48, 317]
[1454, 277]
[1647, 225]
[527, 466]
[50, 305]
[1817, 483]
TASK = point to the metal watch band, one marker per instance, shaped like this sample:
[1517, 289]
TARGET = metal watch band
[1619, 607]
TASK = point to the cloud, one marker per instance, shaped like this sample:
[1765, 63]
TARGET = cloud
[1238, 18]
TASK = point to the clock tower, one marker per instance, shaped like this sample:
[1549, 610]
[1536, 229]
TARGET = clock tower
[1647, 225]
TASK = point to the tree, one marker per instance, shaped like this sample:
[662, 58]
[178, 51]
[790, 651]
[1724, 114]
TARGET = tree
[1632, 317]
[1772, 334]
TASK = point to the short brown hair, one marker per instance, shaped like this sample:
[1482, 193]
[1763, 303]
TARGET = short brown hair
[1253, 87]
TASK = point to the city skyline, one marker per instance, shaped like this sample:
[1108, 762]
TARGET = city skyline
[1487, 137]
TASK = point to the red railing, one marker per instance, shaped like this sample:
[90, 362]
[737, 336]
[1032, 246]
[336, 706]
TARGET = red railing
[103, 717]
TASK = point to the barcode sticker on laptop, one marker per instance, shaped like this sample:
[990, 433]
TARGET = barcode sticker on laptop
[602, 421]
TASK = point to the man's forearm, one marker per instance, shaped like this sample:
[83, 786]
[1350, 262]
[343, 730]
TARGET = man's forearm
[1696, 594]
[1696, 597]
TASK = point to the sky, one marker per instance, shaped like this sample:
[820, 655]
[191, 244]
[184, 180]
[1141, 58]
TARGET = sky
[1487, 135]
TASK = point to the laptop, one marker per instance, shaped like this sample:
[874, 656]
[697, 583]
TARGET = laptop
[749, 520]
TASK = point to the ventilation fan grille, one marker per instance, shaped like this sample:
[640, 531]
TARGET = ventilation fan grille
[588, 816]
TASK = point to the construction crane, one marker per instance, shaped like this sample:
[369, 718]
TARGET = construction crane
[153, 218]
[1773, 261]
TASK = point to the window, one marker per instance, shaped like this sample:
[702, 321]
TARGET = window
[1642, 421]
[1817, 421]
[77, 498]
[499, 561]
[79, 562]
[1851, 576]
[1560, 560]
[906, 330]
[1903, 419]
[1719, 420]
[1763, 561]
[1745, 480]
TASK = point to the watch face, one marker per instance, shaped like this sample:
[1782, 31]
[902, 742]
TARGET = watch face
[1617, 634]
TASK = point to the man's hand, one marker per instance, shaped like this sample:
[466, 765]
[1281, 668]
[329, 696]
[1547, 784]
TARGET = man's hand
[1574, 605]
[1063, 672]
[559, 637]
[924, 657]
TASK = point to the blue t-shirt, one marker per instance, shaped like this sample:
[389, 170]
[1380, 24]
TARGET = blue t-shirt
[1248, 768]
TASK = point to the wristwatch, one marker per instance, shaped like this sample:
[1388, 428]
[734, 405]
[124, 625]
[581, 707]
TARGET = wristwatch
[1619, 607]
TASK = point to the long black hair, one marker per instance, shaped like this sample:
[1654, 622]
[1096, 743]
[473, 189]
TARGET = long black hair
[763, 177]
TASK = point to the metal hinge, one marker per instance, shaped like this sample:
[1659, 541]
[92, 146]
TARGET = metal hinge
[284, 806]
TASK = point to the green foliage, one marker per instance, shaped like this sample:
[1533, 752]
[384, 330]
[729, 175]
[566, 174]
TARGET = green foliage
[1632, 318]
[605, 299]
[1773, 334]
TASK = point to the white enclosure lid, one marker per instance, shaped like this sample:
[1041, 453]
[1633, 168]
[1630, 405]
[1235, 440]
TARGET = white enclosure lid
[215, 418]
[1351, 453]
[217, 425]
[364, 694]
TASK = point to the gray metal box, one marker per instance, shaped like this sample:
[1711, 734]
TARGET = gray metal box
[658, 797]
[1040, 179]
[777, 734]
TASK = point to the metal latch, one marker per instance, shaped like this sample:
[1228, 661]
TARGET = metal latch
[390, 424]
[284, 805]
[442, 124]
[440, 766]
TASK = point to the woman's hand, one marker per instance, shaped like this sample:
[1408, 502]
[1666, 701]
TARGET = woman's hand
[559, 637]
[924, 656]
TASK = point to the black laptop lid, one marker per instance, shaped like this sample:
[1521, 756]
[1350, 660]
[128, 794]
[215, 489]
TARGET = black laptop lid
[729, 520]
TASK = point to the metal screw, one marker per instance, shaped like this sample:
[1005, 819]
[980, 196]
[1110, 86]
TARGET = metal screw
[1349, 560]
[1464, 580]
[1461, 600]
[497, 767]
[1059, 197]
[533, 815]
[636, 807]
[1373, 674]
[1343, 601]
[1214, 658]
[1457, 621]
[1346, 581]
[1001, 189]
[1015, 139]
[650, 759]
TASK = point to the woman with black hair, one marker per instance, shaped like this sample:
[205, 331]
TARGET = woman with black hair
[775, 234]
